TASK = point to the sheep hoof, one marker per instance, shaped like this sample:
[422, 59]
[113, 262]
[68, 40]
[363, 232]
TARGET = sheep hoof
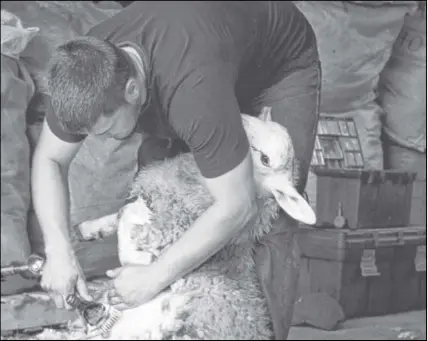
[97, 228]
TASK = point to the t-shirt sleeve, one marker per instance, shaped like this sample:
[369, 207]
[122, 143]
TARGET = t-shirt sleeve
[56, 129]
[205, 114]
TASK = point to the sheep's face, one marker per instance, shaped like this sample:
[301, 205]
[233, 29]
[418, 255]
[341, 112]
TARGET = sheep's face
[275, 167]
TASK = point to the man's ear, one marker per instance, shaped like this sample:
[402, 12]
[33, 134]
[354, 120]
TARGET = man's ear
[134, 92]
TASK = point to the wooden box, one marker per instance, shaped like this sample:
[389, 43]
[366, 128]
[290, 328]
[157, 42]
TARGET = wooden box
[369, 272]
[418, 211]
[368, 198]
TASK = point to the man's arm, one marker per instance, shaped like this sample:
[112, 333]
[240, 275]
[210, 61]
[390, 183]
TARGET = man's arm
[233, 207]
[206, 115]
[49, 175]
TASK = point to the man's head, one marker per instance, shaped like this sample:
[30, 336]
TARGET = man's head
[95, 88]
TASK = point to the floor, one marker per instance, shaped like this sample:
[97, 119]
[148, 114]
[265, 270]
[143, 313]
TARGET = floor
[406, 326]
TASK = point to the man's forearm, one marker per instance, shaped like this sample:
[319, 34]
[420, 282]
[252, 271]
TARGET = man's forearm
[210, 232]
[51, 205]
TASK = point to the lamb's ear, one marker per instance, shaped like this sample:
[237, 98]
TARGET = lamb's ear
[293, 204]
[266, 114]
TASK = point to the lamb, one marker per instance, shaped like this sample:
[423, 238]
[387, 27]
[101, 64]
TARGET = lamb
[222, 299]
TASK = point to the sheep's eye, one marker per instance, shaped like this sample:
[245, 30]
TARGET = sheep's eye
[264, 159]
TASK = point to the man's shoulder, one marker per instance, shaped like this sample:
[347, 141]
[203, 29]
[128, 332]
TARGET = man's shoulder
[123, 23]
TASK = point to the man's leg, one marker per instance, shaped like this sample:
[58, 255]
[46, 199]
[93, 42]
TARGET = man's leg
[295, 105]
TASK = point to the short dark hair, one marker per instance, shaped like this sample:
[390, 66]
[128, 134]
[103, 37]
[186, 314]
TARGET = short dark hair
[87, 78]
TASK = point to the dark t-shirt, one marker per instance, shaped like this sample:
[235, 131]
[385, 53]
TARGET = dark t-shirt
[207, 61]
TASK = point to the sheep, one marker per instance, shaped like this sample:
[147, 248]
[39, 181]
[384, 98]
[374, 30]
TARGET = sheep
[222, 299]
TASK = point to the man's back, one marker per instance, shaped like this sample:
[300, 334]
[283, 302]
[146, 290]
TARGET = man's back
[254, 40]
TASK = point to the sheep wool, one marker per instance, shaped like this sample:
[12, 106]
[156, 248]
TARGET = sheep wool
[225, 300]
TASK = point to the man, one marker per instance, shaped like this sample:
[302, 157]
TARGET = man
[182, 72]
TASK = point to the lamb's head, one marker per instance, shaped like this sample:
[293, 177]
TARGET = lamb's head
[275, 167]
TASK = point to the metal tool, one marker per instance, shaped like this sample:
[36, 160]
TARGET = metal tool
[100, 318]
[33, 268]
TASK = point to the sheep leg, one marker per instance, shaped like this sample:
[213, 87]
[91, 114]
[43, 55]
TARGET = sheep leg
[98, 228]
[135, 225]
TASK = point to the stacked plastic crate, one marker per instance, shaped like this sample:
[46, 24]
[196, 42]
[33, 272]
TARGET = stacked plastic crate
[362, 251]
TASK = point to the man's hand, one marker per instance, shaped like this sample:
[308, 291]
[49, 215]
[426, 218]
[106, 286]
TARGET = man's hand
[63, 276]
[136, 284]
